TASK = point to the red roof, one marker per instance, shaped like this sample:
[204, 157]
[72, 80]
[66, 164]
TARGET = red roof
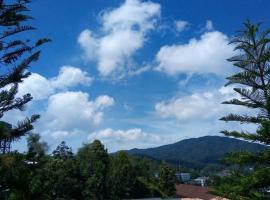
[193, 191]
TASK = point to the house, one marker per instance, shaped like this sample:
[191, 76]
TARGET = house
[183, 177]
[195, 192]
[201, 181]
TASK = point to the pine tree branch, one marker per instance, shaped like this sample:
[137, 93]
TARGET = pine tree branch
[13, 44]
[246, 157]
[17, 75]
[242, 119]
[244, 135]
[11, 57]
[243, 103]
[23, 127]
[253, 97]
[245, 78]
[9, 102]
[16, 30]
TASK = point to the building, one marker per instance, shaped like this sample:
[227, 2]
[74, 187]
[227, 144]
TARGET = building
[183, 177]
[195, 192]
[201, 181]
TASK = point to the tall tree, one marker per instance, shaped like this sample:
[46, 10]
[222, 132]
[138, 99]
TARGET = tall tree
[122, 176]
[16, 55]
[167, 180]
[252, 83]
[58, 178]
[36, 148]
[62, 151]
[94, 162]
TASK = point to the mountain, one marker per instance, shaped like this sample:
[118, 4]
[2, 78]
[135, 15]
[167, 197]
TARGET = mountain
[197, 151]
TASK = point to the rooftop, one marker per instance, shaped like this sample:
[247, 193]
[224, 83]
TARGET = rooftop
[195, 192]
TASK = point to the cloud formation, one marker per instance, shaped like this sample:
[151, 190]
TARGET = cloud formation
[124, 31]
[180, 25]
[63, 112]
[131, 138]
[41, 88]
[198, 106]
[205, 55]
[69, 112]
[209, 25]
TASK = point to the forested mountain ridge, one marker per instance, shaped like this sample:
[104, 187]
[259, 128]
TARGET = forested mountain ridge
[200, 151]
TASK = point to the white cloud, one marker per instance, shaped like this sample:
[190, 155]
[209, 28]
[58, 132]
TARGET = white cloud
[124, 32]
[202, 56]
[41, 88]
[62, 134]
[88, 43]
[63, 112]
[104, 101]
[38, 86]
[126, 139]
[209, 25]
[198, 106]
[70, 76]
[73, 111]
[180, 25]
[198, 114]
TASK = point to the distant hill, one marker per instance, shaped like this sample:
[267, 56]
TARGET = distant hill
[197, 151]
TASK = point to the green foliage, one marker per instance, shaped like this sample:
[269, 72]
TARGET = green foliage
[122, 176]
[94, 161]
[62, 151]
[59, 178]
[18, 170]
[90, 174]
[131, 177]
[36, 149]
[167, 180]
[15, 175]
[253, 84]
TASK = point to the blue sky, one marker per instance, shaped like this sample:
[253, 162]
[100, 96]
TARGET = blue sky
[133, 73]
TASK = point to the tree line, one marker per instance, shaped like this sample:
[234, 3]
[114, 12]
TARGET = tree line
[90, 174]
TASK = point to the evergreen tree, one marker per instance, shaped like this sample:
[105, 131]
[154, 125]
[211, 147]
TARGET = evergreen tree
[122, 176]
[36, 148]
[146, 184]
[252, 83]
[58, 177]
[18, 170]
[15, 177]
[62, 151]
[167, 181]
[94, 161]
[16, 55]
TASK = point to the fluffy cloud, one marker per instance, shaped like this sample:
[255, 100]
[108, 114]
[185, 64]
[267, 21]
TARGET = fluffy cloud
[198, 114]
[38, 86]
[126, 139]
[64, 112]
[61, 134]
[70, 112]
[198, 106]
[209, 25]
[70, 76]
[41, 88]
[180, 25]
[124, 32]
[202, 56]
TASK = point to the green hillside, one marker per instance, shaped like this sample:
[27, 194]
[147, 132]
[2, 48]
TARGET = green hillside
[197, 151]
